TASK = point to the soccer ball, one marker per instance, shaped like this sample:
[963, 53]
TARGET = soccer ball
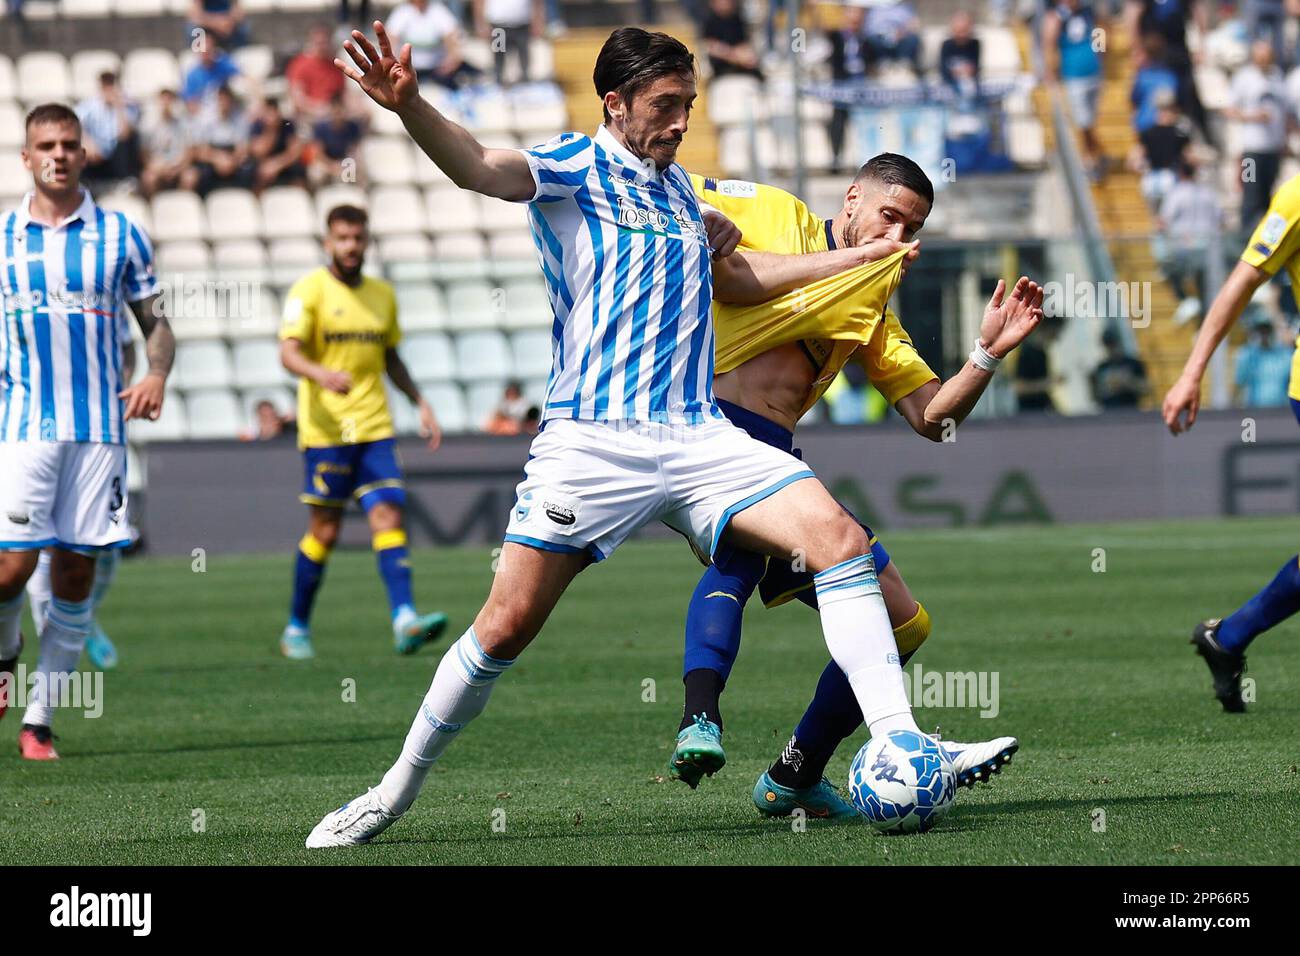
[902, 782]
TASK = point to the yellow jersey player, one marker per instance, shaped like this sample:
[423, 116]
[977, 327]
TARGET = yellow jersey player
[774, 359]
[1274, 245]
[340, 337]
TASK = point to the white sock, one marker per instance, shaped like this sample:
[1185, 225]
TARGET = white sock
[11, 615]
[858, 634]
[66, 628]
[458, 694]
[39, 591]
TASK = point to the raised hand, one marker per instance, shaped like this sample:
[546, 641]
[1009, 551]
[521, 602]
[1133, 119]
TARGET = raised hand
[388, 80]
[1010, 318]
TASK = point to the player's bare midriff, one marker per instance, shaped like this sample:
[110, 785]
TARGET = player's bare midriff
[775, 384]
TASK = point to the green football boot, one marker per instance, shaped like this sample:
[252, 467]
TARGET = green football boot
[411, 635]
[698, 752]
[822, 801]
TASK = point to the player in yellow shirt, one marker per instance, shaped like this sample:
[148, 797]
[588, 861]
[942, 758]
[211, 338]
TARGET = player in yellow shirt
[801, 297]
[340, 337]
[1274, 245]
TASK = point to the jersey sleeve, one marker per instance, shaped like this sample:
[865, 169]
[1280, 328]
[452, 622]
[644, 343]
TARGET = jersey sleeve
[769, 219]
[138, 279]
[560, 167]
[299, 320]
[1276, 240]
[892, 363]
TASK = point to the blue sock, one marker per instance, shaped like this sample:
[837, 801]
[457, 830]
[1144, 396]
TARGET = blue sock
[394, 567]
[713, 630]
[1278, 601]
[307, 575]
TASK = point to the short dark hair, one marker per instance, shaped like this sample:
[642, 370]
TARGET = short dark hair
[633, 58]
[347, 213]
[894, 170]
[52, 113]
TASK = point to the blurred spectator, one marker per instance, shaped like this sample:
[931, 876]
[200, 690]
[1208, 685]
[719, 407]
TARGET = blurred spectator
[221, 20]
[1263, 369]
[851, 399]
[1167, 19]
[726, 38]
[220, 149]
[851, 61]
[960, 51]
[109, 122]
[1265, 20]
[1190, 219]
[314, 81]
[1120, 381]
[893, 33]
[1152, 79]
[166, 142]
[1161, 150]
[268, 423]
[1033, 378]
[1072, 58]
[337, 139]
[784, 7]
[362, 19]
[1258, 105]
[434, 35]
[276, 148]
[509, 416]
[213, 70]
[519, 21]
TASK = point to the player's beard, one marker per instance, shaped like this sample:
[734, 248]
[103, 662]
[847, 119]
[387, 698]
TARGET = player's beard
[349, 275]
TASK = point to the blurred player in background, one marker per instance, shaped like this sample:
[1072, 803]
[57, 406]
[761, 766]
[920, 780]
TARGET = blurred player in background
[767, 379]
[1274, 245]
[68, 267]
[340, 336]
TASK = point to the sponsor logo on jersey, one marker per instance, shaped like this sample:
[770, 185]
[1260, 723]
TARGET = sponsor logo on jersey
[737, 188]
[559, 513]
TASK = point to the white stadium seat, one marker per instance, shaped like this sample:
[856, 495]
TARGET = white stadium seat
[533, 118]
[395, 210]
[474, 305]
[241, 258]
[489, 113]
[86, 66]
[8, 83]
[186, 256]
[43, 76]
[480, 400]
[85, 8]
[497, 215]
[513, 255]
[12, 134]
[483, 354]
[461, 255]
[255, 61]
[204, 363]
[292, 258]
[257, 364]
[170, 426]
[134, 207]
[736, 100]
[287, 211]
[147, 70]
[451, 210]
[214, 413]
[388, 160]
[532, 353]
[258, 316]
[13, 174]
[448, 403]
[178, 215]
[526, 304]
[419, 306]
[339, 194]
[429, 357]
[141, 8]
[233, 214]
[408, 258]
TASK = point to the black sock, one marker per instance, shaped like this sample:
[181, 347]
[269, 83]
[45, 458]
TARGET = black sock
[703, 688]
[798, 767]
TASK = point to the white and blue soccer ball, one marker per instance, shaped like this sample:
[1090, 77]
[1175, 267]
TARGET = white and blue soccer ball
[902, 782]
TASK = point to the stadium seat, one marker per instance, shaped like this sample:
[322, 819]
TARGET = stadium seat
[202, 363]
[383, 122]
[257, 364]
[13, 173]
[141, 8]
[388, 160]
[147, 70]
[187, 257]
[172, 424]
[409, 258]
[395, 210]
[451, 210]
[255, 61]
[526, 304]
[134, 207]
[292, 258]
[419, 306]
[288, 211]
[734, 100]
[497, 215]
[43, 76]
[244, 259]
[339, 194]
[429, 356]
[8, 83]
[999, 53]
[474, 305]
[531, 350]
[1025, 141]
[214, 413]
[86, 65]
[178, 215]
[489, 113]
[483, 354]
[12, 133]
[448, 403]
[406, 422]
[537, 122]
[460, 256]
[85, 8]
[481, 398]
[513, 255]
[427, 173]
[233, 214]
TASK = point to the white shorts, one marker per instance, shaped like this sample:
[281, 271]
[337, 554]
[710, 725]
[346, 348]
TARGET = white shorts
[588, 485]
[62, 494]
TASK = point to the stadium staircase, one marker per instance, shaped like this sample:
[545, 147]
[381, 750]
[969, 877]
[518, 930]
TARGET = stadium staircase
[575, 55]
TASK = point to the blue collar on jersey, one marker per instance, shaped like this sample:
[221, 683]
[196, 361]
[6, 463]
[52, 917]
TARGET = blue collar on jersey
[830, 236]
[646, 167]
[85, 212]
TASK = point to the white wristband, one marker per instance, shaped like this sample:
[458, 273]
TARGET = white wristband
[980, 358]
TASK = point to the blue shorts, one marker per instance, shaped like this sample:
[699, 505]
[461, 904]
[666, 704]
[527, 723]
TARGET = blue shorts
[1295, 409]
[367, 471]
[781, 583]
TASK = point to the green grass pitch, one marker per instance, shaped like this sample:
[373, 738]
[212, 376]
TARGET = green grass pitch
[1113, 710]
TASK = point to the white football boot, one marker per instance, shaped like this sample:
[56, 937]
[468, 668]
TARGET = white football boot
[977, 763]
[353, 824]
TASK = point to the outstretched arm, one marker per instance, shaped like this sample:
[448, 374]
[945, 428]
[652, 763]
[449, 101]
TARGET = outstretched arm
[391, 82]
[145, 398]
[750, 277]
[933, 410]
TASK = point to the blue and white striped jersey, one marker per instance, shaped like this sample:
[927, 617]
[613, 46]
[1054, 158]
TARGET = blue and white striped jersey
[60, 341]
[626, 260]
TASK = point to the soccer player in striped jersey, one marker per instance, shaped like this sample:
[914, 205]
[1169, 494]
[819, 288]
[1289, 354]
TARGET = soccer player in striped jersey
[1275, 245]
[773, 361]
[340, 336]
[66, 269]
[631, 431]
